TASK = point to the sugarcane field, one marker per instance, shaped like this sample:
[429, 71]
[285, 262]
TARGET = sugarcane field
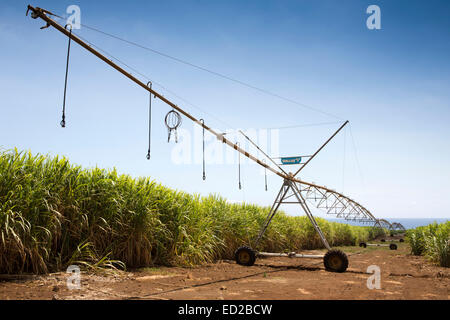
[225, 156]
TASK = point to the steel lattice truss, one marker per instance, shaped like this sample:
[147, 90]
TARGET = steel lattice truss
[335, 203]
[382, 223]
[398, 226]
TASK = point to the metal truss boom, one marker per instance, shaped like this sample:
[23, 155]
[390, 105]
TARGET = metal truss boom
[333, 202]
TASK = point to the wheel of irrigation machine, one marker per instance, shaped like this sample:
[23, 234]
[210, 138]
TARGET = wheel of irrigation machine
[335, 261]
[402, 240]
[245, 256]
[363, 245]
[393, 246]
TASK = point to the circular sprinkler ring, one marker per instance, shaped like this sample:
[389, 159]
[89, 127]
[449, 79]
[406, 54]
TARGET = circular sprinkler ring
[393, 246]
[245, 256]
[172, 121]
[335, 261]
[363, 245]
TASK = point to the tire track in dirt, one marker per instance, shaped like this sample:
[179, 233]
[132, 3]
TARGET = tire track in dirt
[403, 277]
[281, 269]
[204, 284]
[311, 267]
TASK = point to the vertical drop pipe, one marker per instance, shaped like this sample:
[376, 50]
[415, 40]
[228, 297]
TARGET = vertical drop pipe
[63, 121]
[265, 176]
[239, 168]
[203, 146]
[149, 84]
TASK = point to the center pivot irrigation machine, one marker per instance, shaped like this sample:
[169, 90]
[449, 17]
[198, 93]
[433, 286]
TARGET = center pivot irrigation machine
[292, 191]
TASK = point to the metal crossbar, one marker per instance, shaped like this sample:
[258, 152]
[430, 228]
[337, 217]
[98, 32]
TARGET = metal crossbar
[287, 186]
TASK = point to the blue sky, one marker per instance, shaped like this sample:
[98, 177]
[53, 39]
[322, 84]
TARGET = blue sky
[392, 84]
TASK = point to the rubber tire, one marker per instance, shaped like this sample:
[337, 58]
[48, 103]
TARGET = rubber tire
[383, 240]
[363, 245]
[401, 240]
[393, 246]
[242, 251]
[332, 263]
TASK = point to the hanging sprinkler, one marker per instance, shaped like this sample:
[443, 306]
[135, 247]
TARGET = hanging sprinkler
[173, 121]
[149, 84]
[203, 146]
[239, 168]
[63, 121]
[265, 175]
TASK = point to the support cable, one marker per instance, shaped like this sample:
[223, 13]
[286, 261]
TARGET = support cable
[218, 74]
[181, 98]
[112, 57]
[259, 149]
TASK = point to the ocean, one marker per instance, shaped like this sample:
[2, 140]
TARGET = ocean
[408, 223]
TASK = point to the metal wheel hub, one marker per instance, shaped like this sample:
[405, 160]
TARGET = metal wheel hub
[335, 262]
[244, 257]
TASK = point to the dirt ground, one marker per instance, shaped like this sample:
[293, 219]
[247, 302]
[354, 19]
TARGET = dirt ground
[403, 276]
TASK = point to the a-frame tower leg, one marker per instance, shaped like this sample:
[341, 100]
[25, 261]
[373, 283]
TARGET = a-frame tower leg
[281, 197]
[334, 260]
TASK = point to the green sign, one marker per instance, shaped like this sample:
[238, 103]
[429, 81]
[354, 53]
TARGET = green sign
[291, 160]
